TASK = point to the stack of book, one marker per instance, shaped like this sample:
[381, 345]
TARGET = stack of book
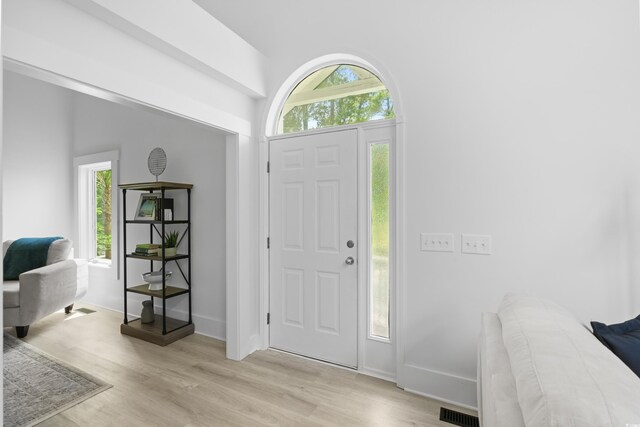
[163, 205]
[148, 249]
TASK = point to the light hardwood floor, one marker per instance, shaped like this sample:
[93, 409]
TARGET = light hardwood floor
[190, 383]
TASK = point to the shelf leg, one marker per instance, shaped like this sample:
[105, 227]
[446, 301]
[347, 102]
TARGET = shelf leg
[164, 260]
[189, 247]
[124, 246]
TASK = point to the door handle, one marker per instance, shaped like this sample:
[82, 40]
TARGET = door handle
[349, 260]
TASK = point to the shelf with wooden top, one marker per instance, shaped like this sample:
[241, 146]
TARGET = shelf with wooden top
[163, 330]
[158, 222]
[169, 291]
[155, 186]
[157, 257]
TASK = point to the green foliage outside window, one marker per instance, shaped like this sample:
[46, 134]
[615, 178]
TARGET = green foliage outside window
[340, 110]
[380, 199]
[103, 213]
[380, 240]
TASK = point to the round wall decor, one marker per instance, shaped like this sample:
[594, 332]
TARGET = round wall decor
[157, 162]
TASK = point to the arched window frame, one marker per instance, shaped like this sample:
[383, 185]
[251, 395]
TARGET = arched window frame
[308, 93]
[279, 99]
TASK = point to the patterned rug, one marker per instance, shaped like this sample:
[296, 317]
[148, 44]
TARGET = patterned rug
[37, 386]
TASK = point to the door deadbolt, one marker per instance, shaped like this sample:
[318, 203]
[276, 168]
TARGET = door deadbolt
[350, 243]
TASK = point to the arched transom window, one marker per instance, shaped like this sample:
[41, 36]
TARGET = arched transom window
[333, 96]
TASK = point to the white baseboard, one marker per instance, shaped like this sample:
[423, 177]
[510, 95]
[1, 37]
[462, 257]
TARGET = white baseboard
[440, 386]
[108, 305]
[376, 373]
[254, 343]
[205, 325]
[440, 399]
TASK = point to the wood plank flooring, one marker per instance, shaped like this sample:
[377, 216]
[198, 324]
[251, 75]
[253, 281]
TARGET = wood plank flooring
[191, 383]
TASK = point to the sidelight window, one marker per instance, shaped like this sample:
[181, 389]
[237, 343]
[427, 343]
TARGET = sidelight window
[379, 305]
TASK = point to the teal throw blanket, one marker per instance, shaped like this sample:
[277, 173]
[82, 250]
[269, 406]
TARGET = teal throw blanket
[26, 254]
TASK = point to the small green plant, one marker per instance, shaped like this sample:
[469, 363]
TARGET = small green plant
[171, 239]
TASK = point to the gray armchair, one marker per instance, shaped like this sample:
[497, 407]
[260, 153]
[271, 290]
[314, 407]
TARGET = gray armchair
[42, 291]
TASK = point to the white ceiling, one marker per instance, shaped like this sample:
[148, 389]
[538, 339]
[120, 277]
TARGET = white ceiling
[330, 22]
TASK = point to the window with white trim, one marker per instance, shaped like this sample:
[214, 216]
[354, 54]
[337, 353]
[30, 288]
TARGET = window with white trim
[336, 95]
[96, 197]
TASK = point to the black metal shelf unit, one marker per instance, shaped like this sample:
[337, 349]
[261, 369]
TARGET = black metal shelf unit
[157, 331]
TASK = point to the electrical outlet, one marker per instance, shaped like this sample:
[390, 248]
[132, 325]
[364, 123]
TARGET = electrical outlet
[436, 242]
[476, 244]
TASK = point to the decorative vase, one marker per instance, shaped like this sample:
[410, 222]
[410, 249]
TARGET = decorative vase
[154, 278]
[147, 315]
[170, 251]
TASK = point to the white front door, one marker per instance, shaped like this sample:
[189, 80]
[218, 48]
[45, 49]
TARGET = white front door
[313, 234]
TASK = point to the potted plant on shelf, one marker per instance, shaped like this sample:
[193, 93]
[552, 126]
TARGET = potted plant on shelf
[171, 243]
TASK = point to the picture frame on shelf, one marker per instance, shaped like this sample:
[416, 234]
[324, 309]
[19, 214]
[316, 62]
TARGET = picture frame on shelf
[147, 205]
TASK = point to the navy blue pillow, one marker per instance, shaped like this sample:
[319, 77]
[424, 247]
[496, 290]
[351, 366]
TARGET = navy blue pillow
[623, 339]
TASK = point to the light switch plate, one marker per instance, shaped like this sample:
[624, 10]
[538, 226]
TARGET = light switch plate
[436, 242]
[478, 244]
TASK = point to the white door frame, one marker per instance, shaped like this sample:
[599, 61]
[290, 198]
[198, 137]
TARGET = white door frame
[268, 128]
[363, 234]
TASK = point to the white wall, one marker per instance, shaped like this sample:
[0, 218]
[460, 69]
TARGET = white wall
[48, 126]
[521, 123]
[37, 159]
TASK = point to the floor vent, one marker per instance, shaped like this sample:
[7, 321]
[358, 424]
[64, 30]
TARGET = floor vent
[458, 418]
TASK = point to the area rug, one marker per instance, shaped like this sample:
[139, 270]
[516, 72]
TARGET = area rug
[38, 386]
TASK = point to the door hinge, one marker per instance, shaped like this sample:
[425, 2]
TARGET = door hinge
[268, 167]
[268, 318]
[268, 242]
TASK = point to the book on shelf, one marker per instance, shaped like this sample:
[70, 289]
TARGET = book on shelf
[148, 246]
[148, 251]
[144, 254]
[161, 206]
